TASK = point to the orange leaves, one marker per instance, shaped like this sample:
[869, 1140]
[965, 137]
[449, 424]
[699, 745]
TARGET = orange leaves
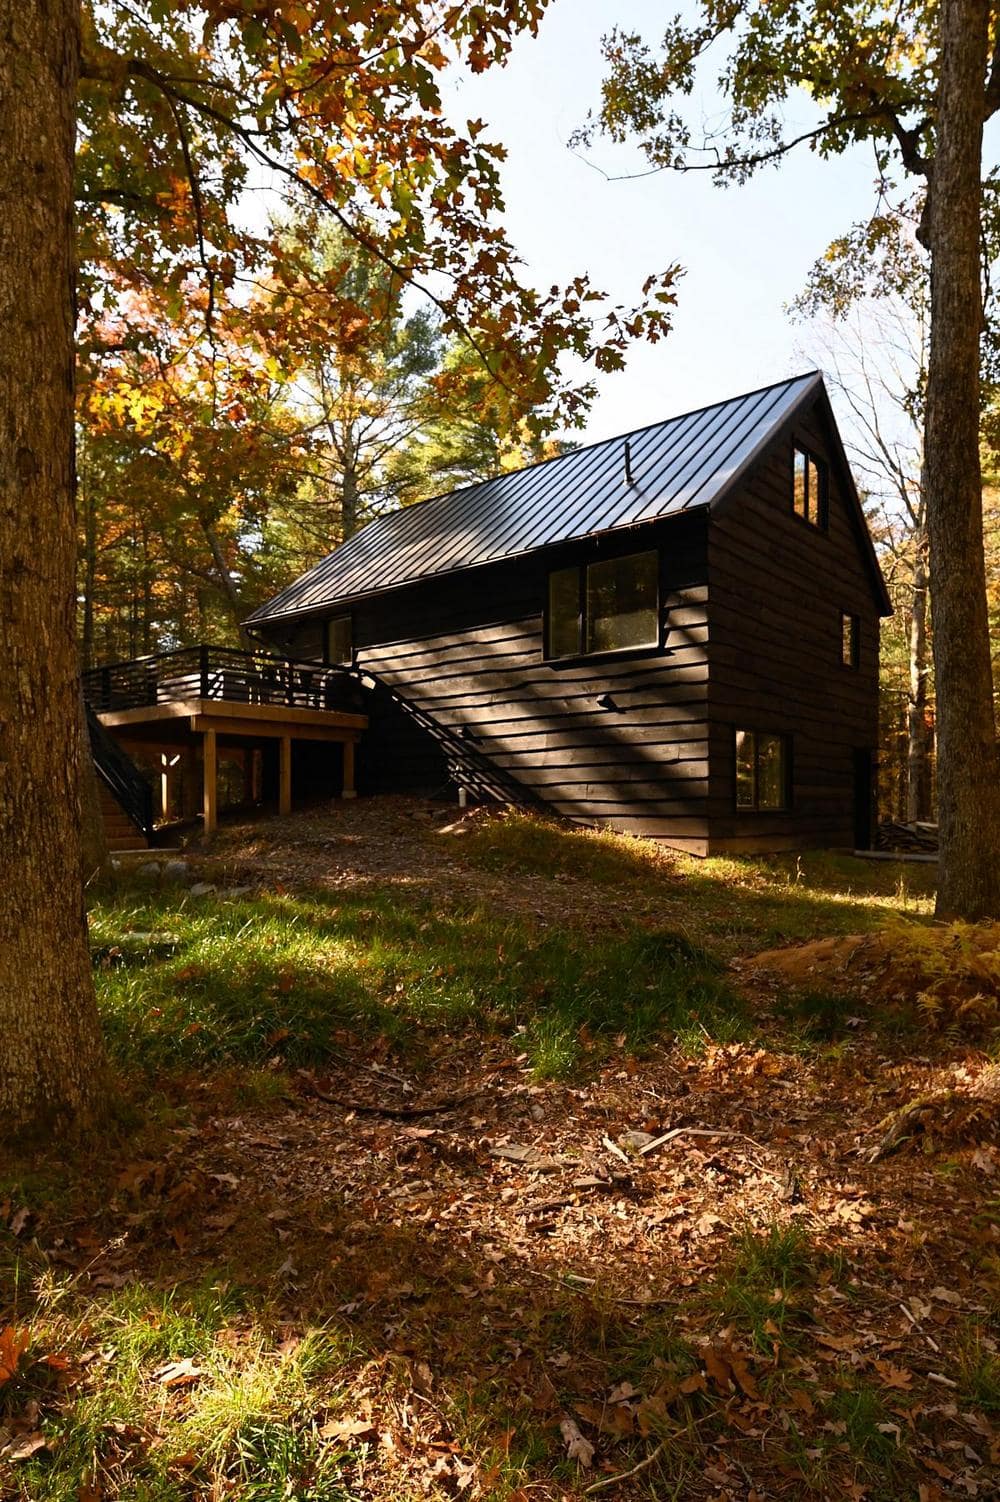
[13, 1344]
[728, 1369]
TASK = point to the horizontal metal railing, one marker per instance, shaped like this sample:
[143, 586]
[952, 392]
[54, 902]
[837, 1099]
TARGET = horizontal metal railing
[225, 673]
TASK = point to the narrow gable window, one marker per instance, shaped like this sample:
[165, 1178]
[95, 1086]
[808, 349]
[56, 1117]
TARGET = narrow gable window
[808, 487]
[850, 640]
[339, 639]
[761, 770]
[564, 613]
[611, 606]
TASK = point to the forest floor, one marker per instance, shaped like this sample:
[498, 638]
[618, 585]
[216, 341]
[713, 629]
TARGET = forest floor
[475, 1157]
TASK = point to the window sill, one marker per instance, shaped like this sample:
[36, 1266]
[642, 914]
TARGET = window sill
[765, 813]
[577, 659]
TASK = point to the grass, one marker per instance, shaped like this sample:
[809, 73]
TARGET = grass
[186, 983]
[244, 1423]
[291, 977]
[211, 1004]
[739, 904]
[978, 1357]
[763, 1285]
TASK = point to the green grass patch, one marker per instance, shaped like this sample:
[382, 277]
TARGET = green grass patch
[978, 1363]
[177, 1393]
[763, 1285]
[522, 843]
[294, 980]
[873, 1434]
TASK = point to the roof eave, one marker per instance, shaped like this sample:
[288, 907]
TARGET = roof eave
[342, 602]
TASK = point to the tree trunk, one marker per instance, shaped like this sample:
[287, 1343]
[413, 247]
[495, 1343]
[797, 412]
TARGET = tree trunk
[226, 580]
[50, 1049]
[968, 784]
[349, 502]
[917, 738]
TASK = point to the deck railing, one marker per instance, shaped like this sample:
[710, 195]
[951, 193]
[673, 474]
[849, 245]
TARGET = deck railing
[205, 672]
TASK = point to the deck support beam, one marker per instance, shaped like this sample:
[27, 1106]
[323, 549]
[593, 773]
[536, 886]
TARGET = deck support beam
[165, 801]
[285, 777]
[210, 782]
[349, 790]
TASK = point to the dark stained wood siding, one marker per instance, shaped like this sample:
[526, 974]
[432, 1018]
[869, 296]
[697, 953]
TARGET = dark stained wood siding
[468, 650]
[778, 588]
[751, 606]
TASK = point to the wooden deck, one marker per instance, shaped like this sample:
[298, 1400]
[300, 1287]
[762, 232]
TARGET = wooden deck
[190, 704]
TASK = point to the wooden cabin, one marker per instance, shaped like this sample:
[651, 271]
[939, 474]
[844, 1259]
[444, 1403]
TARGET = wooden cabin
[673, 633]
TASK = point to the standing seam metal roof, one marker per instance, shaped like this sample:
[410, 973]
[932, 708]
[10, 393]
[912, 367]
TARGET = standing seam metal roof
[677, 465]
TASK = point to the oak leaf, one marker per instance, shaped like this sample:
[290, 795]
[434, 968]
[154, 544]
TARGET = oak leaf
[13, 1344]
[578, 1448]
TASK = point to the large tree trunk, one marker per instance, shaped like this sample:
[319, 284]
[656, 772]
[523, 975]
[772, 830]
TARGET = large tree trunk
[50, 1050]
[968, 784]
[917, 730]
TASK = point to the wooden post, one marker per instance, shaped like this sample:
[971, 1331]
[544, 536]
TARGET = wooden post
[285, 777]
[210, 790]
[164, 786]
[256, 774]
[348, 788]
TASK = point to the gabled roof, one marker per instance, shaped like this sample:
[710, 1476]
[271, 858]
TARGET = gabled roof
[676, 466]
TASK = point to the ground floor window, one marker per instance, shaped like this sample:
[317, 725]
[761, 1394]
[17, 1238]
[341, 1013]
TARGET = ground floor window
[762, 770]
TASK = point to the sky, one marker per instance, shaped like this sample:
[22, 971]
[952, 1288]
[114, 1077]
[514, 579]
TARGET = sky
[746, 249]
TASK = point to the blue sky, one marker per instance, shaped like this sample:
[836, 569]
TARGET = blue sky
[746, 249]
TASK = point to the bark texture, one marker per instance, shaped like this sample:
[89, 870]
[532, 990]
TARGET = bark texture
[968, 782]
[918, 749]
[50, 1051]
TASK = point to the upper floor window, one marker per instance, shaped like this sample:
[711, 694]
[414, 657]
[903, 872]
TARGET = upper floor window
[339, 639]
[809, 483]
[610, 606]
[762, 770]
[850, 639]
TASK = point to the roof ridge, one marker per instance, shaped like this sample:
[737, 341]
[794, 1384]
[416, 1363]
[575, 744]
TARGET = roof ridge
[430, 541]
[584, 448]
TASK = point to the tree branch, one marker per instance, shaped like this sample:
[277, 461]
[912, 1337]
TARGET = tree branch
[137, 67]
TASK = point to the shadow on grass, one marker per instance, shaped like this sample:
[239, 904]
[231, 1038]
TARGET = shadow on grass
[304, 1367]
[345, 1350]
[736, 904]
[184, 983]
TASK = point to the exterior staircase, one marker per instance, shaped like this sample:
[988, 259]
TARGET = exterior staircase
[468, 766]
[126, 796]
[120, 831]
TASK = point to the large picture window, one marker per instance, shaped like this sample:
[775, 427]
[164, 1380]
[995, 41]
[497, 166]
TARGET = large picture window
[611, 606]
[761, 770]
[809, 487]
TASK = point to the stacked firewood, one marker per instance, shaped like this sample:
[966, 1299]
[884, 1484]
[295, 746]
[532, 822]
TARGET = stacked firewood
[918, 838]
